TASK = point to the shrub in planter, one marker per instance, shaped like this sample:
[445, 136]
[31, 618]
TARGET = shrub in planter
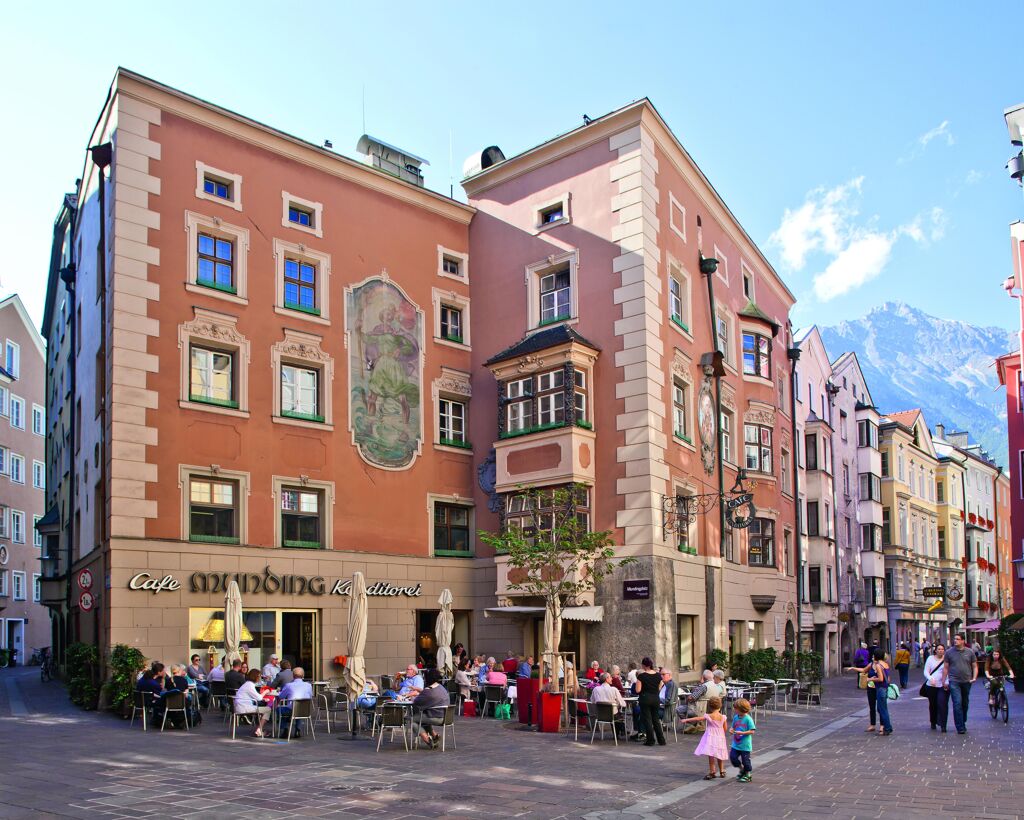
[719, 656]
[1011, 644]
[125, 664]
[81, 675]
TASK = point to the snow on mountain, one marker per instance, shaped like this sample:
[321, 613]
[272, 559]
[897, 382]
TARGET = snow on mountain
[944, 366]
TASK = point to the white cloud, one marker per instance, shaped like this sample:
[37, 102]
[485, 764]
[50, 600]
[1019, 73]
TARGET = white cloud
[940, 131]
[973, 177]
[856, 250]
[858, 263]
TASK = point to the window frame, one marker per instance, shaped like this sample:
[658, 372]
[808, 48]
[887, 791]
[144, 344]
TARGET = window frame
[683, 320]
[233, 181]
[302, 368]
[217, 331]
[37, 587]
[241, 480]
[761, 428]
[563, 200]
[196, 224]
[765, 561]
[675, 206]
[12, 358]
[728, 350]
[16, 576]
[453, 301]
[19, 402]
[451, 440]
[760, 359]
[38, 411]
[535, 273]
[304, 351]
[313, 208]
[12, 459]
[680, 394]
[285, 252]
[38, 470]
[17, 526]
[213, 352]
[213, 506]
[451, 502]
[459, 256]
[727, 432]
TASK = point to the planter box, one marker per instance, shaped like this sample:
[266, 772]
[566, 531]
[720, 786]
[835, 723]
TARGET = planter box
[549, 712]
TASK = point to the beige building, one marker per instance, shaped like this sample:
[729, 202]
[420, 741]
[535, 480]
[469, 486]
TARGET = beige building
[24, 623]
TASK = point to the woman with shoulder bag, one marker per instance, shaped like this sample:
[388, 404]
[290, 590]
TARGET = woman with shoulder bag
[868, 687]
[880, 677]
[936, 687]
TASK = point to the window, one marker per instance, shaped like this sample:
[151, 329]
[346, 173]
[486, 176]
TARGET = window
[725, 423]
[520, 406]
[535, 513]
[301, 523]
[784, 471]
[19, 585]
[550, 397]
[811, 451]
[814, 584]
[842, 424]
[37, 587]
[723, 336]
[300, 286]
[38, 416]
[890, 584]
[17, 468]
[555, 296]
[451, 529]
[5, 531]
[870, 487]
[215, 263]
[940, 491]
[680, 428]
[17, 526]
[870, 537]
[218, 186]
[684, 541]
[780, 384]
[17, 413]
[846, 480]
[12, 358]
[300, 392]
[580, 385]
[679, 298]
[553, 212]
[828, 584]
[549, 216]
[867, 434]
[757, 448]
[212, 378]
[3, 401]
[813, 520]
[885, 465]
[748, 284]
[301, 214]
[687, 645]
[213, 511]
[451, 323]
[886, 527]
[676, 216]
[38, 475]
[757, 355]
[942, 542]
[4, 460]
[787, 556]
[761, 543]
[452, 264]
[37, 537]
[3, 583]
[452, 422]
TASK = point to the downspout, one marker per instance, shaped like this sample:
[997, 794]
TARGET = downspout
[967, 580]
[794, 356]
[67, 275]
[708, 268]
[995, 506]
[833, 391]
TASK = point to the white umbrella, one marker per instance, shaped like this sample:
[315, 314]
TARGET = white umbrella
[355, 667]
[232, 623]
[552, 638]
[443, 631]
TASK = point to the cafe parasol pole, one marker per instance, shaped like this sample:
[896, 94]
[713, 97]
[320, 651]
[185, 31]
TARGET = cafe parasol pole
[355, 669]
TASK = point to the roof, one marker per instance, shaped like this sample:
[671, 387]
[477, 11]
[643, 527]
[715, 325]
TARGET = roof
[905, 417]
[366, 140]
[752, 311]
[50, 519]
[14, 301]
[7, 375]
[552, 337]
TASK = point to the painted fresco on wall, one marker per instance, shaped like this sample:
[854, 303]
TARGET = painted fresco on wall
[384, 330]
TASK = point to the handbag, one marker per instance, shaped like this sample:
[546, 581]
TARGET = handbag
[893, 692]
[924, 690]
[862, 680]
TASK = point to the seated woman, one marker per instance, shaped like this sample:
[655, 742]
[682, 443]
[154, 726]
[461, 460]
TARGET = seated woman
[463, 680]
[429, 705]
[496, 677]
[248, 701]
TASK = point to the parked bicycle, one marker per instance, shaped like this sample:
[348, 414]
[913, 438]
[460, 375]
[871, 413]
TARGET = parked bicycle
[44, 658]
[998, 703]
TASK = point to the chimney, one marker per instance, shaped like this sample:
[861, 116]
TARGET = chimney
[940, 432]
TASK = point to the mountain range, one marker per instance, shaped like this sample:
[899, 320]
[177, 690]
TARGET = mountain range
[944, 366]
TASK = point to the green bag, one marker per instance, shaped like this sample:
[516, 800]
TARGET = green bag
[503, 711]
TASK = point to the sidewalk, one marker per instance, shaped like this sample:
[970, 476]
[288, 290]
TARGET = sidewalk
[807, 762]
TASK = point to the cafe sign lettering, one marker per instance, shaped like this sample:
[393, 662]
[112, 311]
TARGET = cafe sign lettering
[268, 582]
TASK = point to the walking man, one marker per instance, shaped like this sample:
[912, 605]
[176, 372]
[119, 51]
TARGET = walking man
[962, 667]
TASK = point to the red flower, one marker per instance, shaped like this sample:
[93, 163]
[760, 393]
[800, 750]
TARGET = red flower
[972, 518]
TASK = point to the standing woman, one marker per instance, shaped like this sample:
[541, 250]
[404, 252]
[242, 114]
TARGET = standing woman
[648, 684]
[936, 687]
[902, 661]
[880, 677]
[863, 674]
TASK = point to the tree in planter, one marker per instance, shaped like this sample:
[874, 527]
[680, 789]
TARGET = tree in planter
[554, 556]
[81, 674]
[125, 664]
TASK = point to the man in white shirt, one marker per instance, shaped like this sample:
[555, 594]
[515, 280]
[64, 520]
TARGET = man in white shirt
[298, 689]
[217, 673]
[271, 670]
[606, 693]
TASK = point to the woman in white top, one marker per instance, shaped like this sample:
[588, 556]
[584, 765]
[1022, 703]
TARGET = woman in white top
[249, 702]
[936, 687]
[463, 680]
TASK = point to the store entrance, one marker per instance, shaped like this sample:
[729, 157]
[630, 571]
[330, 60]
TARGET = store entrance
[297, 636]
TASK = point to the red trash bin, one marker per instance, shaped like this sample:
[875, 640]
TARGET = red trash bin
[549, 711]
[526, 700]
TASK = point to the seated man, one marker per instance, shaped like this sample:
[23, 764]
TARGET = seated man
[234, 678]
[284, 677]
[667, 695]
[296, 689]
[429, 707]
[606, 693]
[526, 667]
[412, 683]
[151, 686]
[696, 702]
[271, 669]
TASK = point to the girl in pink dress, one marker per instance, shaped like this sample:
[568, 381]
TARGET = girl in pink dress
[713, 742]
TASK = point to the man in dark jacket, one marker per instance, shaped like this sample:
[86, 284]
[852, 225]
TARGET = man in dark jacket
[234, 678]
[430, 705]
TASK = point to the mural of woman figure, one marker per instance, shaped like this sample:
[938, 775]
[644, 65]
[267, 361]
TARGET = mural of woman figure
[386, 346]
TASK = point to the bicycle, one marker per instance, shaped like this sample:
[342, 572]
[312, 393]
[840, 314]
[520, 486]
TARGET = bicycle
[997, 700]
[45, 659]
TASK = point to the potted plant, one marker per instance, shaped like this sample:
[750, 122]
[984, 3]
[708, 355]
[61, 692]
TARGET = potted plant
[1011, 644]
[125, 664]
[717, 656]
[82, 660]
[555, 559]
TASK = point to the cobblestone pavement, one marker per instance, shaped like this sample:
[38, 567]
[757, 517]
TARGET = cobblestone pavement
[61, 762]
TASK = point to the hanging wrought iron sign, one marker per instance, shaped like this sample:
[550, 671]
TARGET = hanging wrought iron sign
[740, 511]
[678, 512]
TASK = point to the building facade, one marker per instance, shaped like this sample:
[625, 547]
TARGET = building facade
[624, 360]
[260, 371]
[1004, 551]
[24, 622]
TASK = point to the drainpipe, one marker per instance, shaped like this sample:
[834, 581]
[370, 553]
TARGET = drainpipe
[995, 538]
[832, 392]
[967, 582]
[708, 268]
[794, 356]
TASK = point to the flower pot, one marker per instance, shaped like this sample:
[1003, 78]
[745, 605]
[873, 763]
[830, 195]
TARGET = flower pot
[549, 712]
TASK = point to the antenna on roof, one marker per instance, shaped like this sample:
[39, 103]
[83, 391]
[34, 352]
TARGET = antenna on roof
[587, 120]
[364, 108]
[451, 173]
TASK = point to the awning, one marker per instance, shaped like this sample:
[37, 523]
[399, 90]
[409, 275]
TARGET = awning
[985, 626]
[592, 614]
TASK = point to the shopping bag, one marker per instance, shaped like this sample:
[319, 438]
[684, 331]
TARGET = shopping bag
[469, 708]
[503, 711]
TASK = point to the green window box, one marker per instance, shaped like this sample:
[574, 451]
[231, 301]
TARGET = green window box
[454, 553]
[679, 323]
[456, 339]
[586, 425]
[288, 414]
[306, 545]
[217, 286]
[451, 442]
[217, 402]
[213, 539]
[302, 308]
[553, 320]
[528, 430]
[681, 437]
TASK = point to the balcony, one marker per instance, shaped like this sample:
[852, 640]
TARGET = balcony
[876, 614]
[872, 564]
[823, 612]
[52, 592]
[560, 455]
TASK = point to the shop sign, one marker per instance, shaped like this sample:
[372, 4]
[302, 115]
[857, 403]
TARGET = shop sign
[933, 592]
[636, 590]
[954, 593]
[268, 582]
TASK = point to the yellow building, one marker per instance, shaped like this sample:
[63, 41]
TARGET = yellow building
[910, 524]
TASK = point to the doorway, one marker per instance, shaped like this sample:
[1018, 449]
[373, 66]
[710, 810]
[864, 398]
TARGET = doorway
[298, 634]
[16, 639]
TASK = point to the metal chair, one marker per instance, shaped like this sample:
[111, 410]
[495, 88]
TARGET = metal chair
[604, 715]
[812, 692]
[493, 693]
[449, 723]
[392, 718]
[218, 691]
[333, 702]
[301, 710]
[668, 716]
[175, 702]
[230, 695]
[386, 682]
[141, 702]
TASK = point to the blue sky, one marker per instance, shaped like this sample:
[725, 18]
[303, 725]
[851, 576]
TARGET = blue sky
[861, 146]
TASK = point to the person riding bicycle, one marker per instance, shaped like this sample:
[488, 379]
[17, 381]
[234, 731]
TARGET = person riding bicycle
[996, 668]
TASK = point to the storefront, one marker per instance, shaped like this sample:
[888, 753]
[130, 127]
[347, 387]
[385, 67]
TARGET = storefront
[291, 634]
